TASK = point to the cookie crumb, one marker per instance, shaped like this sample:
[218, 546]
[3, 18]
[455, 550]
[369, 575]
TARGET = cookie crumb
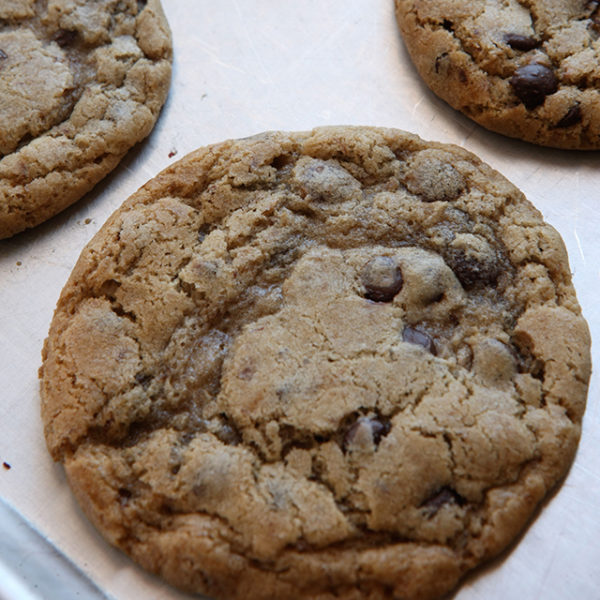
[6, 466]
[172, 153]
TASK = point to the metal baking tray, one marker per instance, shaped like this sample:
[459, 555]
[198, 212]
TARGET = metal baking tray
[242, 67]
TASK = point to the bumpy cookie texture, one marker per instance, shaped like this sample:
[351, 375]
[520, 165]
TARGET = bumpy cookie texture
[529, 70]
[80, 83]
[342, 363]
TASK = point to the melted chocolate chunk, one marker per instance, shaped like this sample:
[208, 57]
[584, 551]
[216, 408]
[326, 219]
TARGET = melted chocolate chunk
[471, 271]
[65, 37]
[444, 496]
[420, 338]
[382, 279]
[521, 42]
[572, 117]
[532, 83]
[376, 428]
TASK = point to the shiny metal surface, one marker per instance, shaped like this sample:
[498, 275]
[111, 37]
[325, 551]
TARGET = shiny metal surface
[245, 66]
[31, 567]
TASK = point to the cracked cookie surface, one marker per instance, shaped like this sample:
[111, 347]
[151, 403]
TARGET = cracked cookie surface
[529, 70]
[80, 84]
[339, 363]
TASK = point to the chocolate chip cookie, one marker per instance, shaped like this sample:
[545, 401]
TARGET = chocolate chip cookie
[339, 363]
[80, 84]
[529, 70]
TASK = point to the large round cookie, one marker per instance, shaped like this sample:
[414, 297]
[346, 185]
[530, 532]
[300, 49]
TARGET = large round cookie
[80, 83]
[529, 70]
[341, 363]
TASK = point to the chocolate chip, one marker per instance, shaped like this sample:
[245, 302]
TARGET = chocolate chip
[375, 428]
[419, 338]
[442, 497]
[448, 25]
[532, 83]
[521, 42]
[382, 279]
[3, 54]
[6, 466]
[65, 37]
[572, 117]
[469, 270]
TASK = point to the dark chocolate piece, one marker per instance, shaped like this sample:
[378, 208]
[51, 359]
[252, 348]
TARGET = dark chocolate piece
[382, 279]
[471, 271]
[420, 338]
[521, 42]
[532, 83]
[572, 117]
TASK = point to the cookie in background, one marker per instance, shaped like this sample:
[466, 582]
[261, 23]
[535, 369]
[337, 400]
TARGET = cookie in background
[80, 84]
[528, 73]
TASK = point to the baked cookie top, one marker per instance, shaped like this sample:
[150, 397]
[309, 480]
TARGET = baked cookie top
[80, 83]
[529, 70]
[340, 363]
